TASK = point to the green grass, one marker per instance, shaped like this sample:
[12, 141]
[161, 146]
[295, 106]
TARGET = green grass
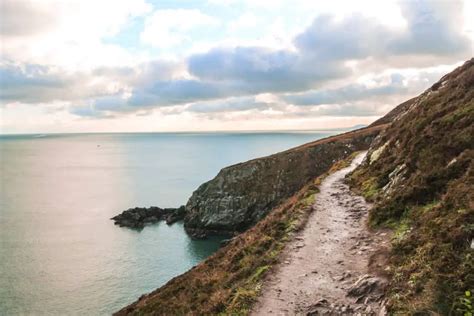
[431, 210]
[369, 189]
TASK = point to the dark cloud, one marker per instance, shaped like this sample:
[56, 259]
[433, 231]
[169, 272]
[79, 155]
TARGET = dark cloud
[228, 105]
[159, 94]
[163, 93]
[354, 99]
[349, 93]
[355, 37]
[258, 69]
[143, 74]
[31, 83]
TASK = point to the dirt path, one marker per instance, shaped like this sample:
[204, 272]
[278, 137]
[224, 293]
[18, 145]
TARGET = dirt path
[325, 269]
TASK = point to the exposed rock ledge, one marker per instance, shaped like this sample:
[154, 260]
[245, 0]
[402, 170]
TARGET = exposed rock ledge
[242, 194]
[138, 217]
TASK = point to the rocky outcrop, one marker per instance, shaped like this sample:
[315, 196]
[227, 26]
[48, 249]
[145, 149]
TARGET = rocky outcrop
[242, 194]
[139, 217]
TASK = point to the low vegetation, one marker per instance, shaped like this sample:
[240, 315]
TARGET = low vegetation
[229, 282]
[423, 187]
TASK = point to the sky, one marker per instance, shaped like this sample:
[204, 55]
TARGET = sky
[150, 65]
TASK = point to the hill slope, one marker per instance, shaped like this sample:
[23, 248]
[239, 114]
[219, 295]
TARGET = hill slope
[419, 171]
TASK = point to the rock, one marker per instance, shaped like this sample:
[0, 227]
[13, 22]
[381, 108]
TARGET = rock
[344, 276]
[225, 242]
[176, 216]
[383, 309]
[319, 308]
[197, 233]
[374, 155]
[242, 194]
[138, 217]
[368, 288]
[396, 177]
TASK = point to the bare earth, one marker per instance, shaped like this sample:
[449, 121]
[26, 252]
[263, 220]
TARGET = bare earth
[325, 269]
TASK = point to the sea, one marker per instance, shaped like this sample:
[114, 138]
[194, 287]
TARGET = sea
[60, 254]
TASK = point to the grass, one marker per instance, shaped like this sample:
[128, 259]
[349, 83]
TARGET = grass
[230, 281]
[369, 189]
[432, 210]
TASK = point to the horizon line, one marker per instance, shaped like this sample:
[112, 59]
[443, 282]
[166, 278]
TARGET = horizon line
[190, 131]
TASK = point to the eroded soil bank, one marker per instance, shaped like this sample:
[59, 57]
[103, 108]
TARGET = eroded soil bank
[334, 265]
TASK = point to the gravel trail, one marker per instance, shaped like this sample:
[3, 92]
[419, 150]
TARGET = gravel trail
[325, 269]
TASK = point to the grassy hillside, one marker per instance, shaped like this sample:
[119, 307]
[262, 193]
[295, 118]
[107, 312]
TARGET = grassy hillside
[420, 173]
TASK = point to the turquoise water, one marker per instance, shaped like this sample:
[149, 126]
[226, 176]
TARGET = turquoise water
[60, 253]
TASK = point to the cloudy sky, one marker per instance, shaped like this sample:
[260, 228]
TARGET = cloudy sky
[151, 65]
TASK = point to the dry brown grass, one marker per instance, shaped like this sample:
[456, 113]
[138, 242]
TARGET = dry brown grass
[432, 209]
[229, 281]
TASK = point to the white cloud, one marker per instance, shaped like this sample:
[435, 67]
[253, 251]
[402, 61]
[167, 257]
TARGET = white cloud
[68, 61]
[73, 32]
[387, 12]
[245, 21]
[169, 28]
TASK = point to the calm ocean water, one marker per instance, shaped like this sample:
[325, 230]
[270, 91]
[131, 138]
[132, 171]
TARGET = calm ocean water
[60, 253]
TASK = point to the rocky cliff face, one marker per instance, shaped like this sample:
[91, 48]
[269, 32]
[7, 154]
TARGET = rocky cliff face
[242, 194]
[420, 174]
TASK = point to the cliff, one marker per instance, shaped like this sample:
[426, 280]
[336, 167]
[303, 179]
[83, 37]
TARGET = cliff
[242, 194]
[229, 281]
[419, 172]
